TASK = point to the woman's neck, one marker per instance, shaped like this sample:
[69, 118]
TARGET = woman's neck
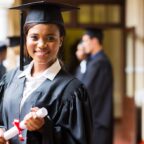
[39, 68]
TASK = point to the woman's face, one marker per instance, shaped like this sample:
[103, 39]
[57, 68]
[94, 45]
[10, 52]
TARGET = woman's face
[80, 52]
[87, 42]
[43, 42]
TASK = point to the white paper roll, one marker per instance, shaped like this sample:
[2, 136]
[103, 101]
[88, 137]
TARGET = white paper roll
[14, 131]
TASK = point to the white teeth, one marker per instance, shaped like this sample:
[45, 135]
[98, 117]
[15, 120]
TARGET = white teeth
[41, 52]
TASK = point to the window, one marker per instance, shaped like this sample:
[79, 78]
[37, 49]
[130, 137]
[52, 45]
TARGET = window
[99, 14]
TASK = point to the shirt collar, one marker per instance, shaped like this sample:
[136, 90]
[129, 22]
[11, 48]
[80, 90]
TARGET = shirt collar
[49, 73]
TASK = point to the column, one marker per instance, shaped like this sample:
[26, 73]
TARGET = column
[4, 5]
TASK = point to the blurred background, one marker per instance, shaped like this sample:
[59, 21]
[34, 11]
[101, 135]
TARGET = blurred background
[123, 25]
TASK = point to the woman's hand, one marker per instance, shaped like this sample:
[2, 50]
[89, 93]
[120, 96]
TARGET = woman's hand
[32, 121]
[2, 140]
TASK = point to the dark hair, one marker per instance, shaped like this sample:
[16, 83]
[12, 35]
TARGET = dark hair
[95, 33]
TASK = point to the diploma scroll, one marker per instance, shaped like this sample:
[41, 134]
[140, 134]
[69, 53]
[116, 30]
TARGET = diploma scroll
[14, 130]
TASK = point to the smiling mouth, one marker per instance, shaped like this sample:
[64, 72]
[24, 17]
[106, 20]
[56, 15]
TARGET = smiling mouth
[41, 53]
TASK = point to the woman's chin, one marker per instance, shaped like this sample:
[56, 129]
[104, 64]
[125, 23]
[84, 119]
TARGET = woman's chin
[40, 62]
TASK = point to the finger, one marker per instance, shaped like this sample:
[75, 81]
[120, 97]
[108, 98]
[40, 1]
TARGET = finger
[29, 126]
[34, 109]
[31, 122]
[34, 115]
[32, 127]
[28, 116]
[35, 124]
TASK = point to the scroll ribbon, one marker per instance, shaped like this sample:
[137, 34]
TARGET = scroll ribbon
[20, 126]
[16, 123]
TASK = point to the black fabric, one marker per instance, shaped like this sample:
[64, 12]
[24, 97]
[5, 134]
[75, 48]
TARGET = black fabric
[2, 85]
[69, 119]
[2, 70]
[98, 80]
[138, 125]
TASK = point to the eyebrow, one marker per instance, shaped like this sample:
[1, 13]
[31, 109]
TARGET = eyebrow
[36, 34]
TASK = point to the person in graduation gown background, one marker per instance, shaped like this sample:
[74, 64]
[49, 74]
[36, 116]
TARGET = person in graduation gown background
[98, 80]
[44, 83]
[81, 55]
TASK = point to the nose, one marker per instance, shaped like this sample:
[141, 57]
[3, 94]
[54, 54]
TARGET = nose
[42, 44]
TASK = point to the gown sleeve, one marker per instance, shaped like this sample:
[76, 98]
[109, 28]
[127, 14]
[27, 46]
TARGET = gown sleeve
[2, 85]
[5, 80]
[71, 121]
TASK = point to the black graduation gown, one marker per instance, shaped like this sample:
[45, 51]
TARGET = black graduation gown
[65, 98]
[2, 70]
[98, 80]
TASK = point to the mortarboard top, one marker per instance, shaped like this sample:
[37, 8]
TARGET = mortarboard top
[41, 12]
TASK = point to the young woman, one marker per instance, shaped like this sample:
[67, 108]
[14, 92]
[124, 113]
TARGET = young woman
[44, 83]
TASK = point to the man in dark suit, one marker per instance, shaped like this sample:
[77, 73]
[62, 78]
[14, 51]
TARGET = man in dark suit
[98, 80]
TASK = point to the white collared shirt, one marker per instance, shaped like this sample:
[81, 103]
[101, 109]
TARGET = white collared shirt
[83, 66]
[32, 83]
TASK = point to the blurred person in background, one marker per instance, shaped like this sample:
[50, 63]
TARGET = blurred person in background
[81, 55]
[98, 80]
[13, 52]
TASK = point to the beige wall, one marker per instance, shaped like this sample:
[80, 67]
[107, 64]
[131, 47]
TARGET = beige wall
[135, 18]
[14, 20]
[13, 30]
[113, 48]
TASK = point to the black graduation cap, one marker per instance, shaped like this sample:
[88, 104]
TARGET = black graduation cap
[13, 41]
[41, 12]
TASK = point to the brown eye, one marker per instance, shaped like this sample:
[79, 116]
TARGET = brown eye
[34, 37]
[51, 38]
